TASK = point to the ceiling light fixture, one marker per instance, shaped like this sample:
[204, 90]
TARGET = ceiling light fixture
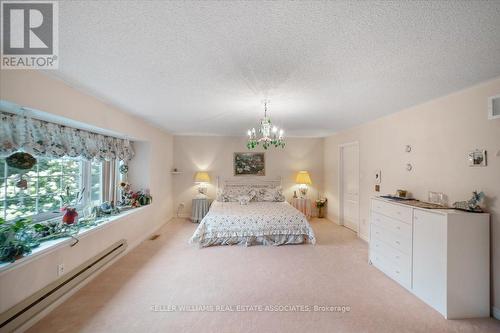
[268, 135]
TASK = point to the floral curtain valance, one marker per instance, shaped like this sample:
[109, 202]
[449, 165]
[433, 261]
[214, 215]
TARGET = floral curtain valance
[41, 138]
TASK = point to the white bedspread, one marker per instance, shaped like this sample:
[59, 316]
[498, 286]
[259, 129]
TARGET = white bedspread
[268, 223]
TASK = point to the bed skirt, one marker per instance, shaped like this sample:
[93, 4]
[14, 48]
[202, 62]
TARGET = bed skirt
[253, 240]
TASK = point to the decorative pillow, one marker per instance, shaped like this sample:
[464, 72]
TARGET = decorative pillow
[270, 195]
[244, 199]
[232, 194]
[279, 197]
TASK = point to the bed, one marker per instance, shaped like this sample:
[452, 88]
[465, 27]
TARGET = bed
[252, 212]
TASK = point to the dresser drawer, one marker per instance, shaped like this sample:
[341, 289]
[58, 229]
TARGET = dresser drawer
[398, 242]
[395, 211]
[399, 258]
[400, 274]
[399, 228]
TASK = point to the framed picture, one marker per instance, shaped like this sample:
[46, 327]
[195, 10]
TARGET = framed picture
[249, 164]
[494, 107]
[477, 158]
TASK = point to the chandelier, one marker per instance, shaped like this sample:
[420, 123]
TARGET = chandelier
[268, 134]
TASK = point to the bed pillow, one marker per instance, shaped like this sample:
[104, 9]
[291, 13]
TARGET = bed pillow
[232, 194]
[244, 199]
[270, 195]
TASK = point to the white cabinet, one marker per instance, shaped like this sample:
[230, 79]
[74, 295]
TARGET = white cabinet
[442, 256]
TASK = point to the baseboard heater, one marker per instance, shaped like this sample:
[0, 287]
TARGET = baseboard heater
[31, 306]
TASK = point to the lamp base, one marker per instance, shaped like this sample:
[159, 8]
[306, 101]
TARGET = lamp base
[202, 192]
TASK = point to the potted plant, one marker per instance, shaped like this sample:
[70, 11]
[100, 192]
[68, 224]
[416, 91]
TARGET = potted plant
[320, 204]
[14, 241]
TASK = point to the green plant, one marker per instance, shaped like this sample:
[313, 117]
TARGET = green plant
[68, 200]
[14, 243]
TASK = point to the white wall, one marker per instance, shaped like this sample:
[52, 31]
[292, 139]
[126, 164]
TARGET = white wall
[215, 155]
[35, 90]
[441, 133]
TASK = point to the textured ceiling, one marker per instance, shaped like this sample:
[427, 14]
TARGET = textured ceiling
[204, 67]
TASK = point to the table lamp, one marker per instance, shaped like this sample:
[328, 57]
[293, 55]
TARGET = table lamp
[202, 179]
[303, 179]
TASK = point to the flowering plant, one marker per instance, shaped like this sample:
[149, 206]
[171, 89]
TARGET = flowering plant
[134, 198]
[321, 202]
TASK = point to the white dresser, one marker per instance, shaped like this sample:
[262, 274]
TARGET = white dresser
[442, 256]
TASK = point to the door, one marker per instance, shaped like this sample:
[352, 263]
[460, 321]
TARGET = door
[429, 258]
[349, 185]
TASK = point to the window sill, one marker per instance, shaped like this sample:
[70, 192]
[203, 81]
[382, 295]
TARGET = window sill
[52, 245]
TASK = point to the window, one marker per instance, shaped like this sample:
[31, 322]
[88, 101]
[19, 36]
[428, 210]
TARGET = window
[46, 181]
[95, 183]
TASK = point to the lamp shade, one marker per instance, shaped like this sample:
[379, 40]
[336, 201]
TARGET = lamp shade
[303, 178]
[201, 177]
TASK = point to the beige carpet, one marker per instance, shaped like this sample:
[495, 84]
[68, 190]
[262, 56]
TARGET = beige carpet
[167, 272]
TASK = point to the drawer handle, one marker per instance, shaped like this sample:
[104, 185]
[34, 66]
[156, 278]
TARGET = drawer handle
[376, 245]
[398, 227]
[397, 271]
[399, 213]
[397, 257]
[397, 242]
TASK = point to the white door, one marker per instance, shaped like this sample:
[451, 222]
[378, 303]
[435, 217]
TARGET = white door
[429, 258]
[349, 185]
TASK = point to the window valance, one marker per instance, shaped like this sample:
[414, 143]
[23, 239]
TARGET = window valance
[41, 138]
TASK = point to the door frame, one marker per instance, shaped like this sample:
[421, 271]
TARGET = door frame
[341, 181]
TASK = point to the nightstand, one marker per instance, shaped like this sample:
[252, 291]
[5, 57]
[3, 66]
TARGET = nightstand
[200, 207]
[303, 205]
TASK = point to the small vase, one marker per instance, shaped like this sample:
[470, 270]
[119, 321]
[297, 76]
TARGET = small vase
[69, 216]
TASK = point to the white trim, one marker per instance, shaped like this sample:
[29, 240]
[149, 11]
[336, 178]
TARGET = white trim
[364, 237]
[495, 312]
[340, 181]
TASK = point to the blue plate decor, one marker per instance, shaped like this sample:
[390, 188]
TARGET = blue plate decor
[123, 169]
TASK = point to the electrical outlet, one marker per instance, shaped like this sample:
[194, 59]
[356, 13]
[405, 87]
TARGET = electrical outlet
[60, 269]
